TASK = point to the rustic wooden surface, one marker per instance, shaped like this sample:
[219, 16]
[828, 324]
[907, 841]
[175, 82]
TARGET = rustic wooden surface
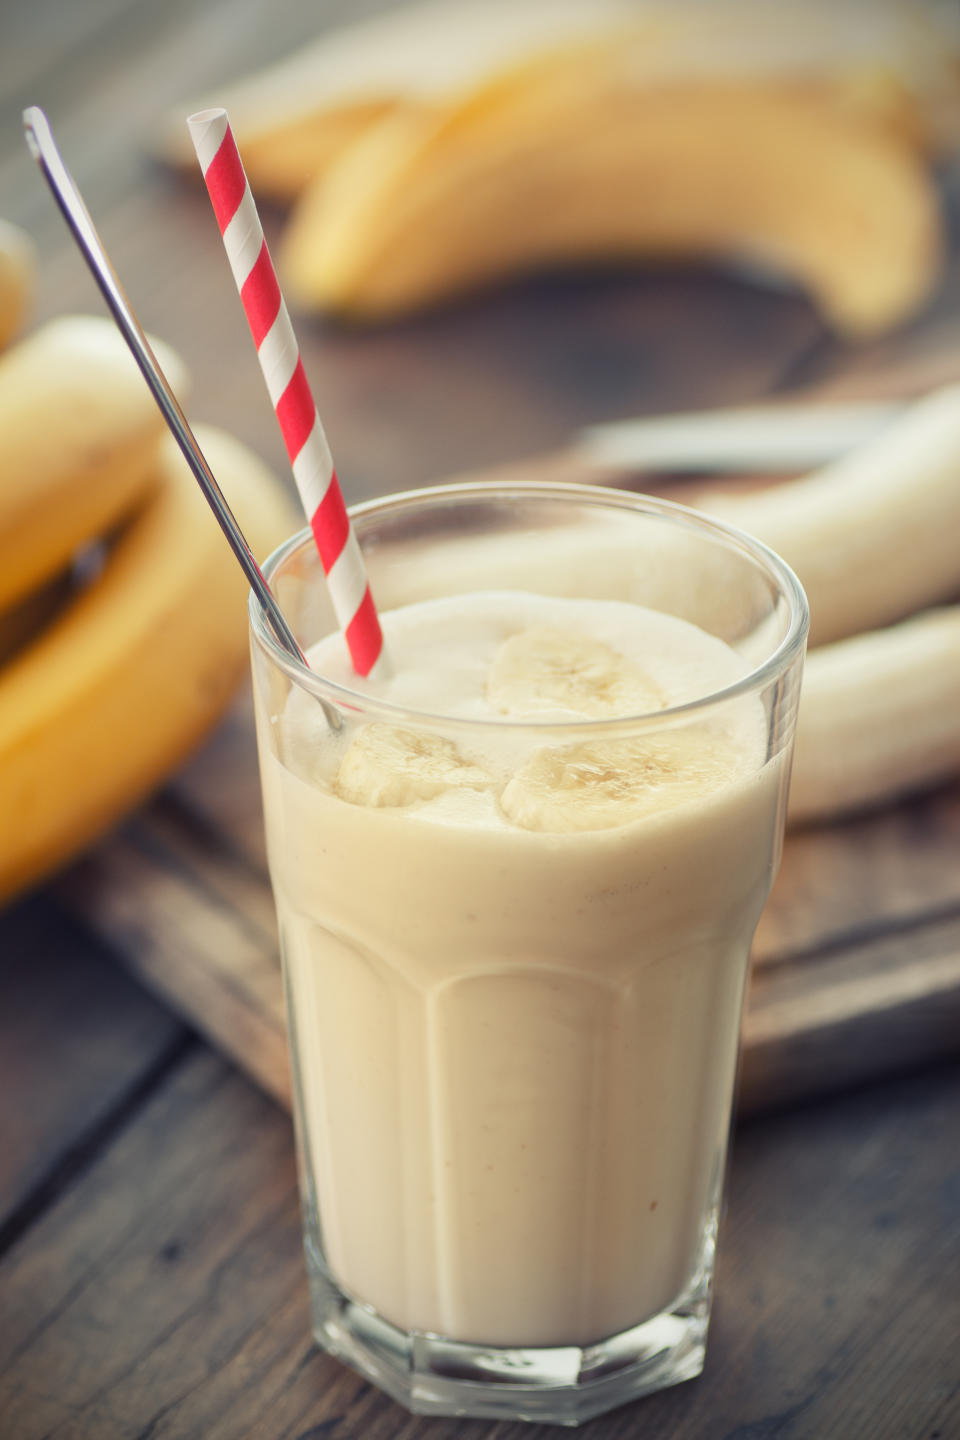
[151, 1280]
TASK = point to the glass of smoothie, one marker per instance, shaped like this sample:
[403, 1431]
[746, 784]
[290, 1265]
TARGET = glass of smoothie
[517, 876]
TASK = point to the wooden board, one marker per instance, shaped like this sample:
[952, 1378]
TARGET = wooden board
[856, 960]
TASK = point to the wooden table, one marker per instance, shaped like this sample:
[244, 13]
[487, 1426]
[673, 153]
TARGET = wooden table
[151, 1278]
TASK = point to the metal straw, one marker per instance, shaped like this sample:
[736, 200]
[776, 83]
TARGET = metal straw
[44, 150]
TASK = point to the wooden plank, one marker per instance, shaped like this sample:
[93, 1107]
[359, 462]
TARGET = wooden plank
[155, 1267]
[196, 924]
[165, 1295]
[77, 1039]
[821, 1023]
[844, 882]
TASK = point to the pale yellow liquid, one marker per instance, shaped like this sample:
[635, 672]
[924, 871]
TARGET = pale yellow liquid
[516, 1049]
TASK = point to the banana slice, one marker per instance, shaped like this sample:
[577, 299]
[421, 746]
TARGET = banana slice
[385, 766]
[546, 668]
[599, 784]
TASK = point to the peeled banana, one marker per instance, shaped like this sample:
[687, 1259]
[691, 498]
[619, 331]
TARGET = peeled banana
[132, 674]
[78, 439]
[872, 536]
[16, 279]
[879, 717]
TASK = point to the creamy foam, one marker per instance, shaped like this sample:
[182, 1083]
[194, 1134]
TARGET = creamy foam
[443, 661]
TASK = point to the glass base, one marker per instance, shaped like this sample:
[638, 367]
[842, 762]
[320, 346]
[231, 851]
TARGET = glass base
[563, 1385]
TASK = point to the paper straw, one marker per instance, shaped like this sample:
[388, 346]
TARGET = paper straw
[279, 356]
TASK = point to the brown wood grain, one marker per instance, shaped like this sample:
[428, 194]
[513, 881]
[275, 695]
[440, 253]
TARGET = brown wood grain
[165, 1296]
[77, 1039]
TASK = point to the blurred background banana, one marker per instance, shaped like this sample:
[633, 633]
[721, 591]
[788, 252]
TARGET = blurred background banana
[446, 146]
[122, 620]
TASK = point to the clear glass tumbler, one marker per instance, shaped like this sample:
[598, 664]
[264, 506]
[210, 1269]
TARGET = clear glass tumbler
[514, 1045]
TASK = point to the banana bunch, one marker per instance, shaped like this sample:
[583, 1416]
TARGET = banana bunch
[446, 146]
[122, 617]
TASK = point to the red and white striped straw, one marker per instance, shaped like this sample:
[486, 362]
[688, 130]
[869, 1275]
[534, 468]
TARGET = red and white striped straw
[279, 356]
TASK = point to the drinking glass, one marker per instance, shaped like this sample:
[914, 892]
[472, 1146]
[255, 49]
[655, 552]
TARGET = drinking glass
[514, 1046]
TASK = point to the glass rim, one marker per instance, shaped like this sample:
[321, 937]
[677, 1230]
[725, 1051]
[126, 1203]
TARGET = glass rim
[342, 697]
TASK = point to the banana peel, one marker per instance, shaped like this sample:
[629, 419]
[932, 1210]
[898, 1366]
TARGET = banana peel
[293, 119]
[566, 159]
[133, 673]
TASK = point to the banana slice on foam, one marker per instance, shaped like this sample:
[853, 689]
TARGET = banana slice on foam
[384, 766]
[596, 785]
[546, 668]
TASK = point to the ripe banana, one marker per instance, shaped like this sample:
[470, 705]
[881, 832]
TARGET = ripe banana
[17, 265]
[568, 159]
[878, 717]
[547, 669]
[872, 536]
[78, 439]
[97, 711]
[294, 119]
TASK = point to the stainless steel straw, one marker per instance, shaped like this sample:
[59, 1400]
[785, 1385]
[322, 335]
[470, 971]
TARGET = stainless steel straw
[44, 150]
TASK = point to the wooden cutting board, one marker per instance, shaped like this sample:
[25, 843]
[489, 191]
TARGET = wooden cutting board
[856, 960]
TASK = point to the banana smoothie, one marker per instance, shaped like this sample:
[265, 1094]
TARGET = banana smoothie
[515, 937]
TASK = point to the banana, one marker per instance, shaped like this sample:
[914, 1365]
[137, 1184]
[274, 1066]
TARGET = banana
[25, 620]
[544, 669]
[566, 158]
[78, 439]
[115, 693]
[384, 766]
[878, 717]
[17, 274]
[596, 785]
[293, 119]
[872, 536]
